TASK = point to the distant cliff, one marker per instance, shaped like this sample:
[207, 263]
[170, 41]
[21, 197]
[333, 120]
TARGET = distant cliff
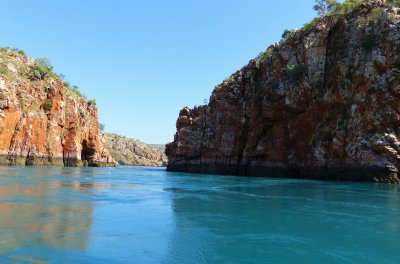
[322, 104]
[44, 122]
[128, 151]
[161, 148]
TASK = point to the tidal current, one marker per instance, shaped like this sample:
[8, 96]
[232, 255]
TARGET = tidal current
[148, 215]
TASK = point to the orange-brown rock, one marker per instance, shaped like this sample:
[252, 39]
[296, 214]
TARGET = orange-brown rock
[42, 122]
[324, 104]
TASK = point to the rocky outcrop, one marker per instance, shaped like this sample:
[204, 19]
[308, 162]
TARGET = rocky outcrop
[322, 104]
[128, 151]
[43, 122]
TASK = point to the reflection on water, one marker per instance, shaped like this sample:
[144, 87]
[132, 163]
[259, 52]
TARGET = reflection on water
[83, 215]
[147, 215]
[36, 212]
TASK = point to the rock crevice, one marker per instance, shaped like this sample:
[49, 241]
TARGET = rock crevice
[43, 122]
[322, 104]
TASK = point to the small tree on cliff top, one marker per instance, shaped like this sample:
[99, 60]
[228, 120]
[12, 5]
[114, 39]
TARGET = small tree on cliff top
[325, 6]
[41, 69]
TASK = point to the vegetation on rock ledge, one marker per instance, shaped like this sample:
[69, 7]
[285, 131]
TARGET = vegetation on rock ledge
[15, 65]
[128, 151]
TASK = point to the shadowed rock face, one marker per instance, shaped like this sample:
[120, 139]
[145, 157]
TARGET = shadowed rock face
[43, 123]
[322, 104]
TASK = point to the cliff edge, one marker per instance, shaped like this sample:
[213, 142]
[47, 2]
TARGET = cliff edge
[43, 121]
[322, 104]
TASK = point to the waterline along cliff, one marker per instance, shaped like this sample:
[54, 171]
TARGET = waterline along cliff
[323, 104]
[43, 121]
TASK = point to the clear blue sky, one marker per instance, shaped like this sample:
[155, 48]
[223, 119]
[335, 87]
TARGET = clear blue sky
[143, 61]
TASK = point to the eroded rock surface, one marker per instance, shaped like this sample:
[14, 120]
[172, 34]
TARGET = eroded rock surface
[129, 151]
[322, 104]
[44, 123]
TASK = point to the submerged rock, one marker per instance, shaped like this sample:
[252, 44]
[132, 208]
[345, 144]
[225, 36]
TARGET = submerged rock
[322, 104]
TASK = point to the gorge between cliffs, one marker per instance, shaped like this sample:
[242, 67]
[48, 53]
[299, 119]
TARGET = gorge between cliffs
[125, 137]
[321, 104]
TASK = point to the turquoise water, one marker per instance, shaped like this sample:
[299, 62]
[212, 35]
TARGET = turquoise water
[147, 215]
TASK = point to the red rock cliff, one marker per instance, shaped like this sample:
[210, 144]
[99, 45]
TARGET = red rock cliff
[42, 122]
[324, 104]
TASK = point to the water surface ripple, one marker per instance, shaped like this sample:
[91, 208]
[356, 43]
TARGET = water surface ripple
[147, 215]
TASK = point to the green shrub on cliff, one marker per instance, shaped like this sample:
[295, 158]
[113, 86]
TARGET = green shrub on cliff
[286, 33]
[393, 3]
[310, 24]
[262, 57]
[347, 6]
[332, 8]
[362, 21]
[22, 103]
[71, 91]
[229, 79]
[12, 51]
[4, 70]
[48, 104]
[75, 90]
[325, 6]
[41, 69]
[373, 16]
[92, 102]
[296, 71]
[35, 107]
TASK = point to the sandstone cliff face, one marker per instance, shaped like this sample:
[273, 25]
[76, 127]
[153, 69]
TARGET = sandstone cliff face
[44, 123]
[322, 104]
[128, 151]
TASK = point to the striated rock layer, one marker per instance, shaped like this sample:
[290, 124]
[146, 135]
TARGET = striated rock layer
[44, 123]
[129, 151]
[322, 104]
